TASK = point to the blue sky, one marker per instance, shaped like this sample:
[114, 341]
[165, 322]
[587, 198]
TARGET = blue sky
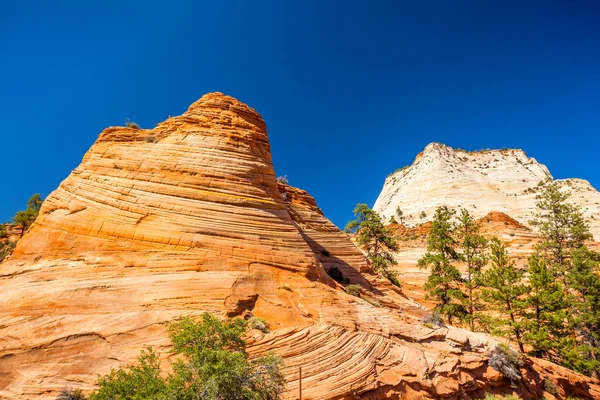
[350, 90]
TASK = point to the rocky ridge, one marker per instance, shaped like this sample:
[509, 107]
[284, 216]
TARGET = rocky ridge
[188, 217]
[482, 181]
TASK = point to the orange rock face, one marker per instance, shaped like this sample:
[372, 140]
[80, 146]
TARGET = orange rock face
[188, 217]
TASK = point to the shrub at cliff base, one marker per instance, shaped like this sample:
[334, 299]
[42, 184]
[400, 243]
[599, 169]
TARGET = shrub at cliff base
[212, 364]
[506, 361]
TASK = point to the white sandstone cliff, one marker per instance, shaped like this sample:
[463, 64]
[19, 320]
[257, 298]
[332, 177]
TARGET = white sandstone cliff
[483, 181]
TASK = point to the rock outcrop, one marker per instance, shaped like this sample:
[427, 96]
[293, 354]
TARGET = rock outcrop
[483, 181]
[497, 186]
[188, 217]
[12, 232]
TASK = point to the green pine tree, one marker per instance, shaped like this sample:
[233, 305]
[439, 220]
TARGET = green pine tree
[443, 282]
[545, 326]
[561, 226]
[503, 292]
[582, 347]
[28, 217]
[376, 239]
[567, 331]
[473, 246]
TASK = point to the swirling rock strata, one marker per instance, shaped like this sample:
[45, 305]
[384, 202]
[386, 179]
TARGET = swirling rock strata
[186, 218]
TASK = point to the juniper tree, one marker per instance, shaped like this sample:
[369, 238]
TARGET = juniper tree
[503, 291]
[28, 217]
[376, 239]
[442, 285]
[473, 246]
[35, 202]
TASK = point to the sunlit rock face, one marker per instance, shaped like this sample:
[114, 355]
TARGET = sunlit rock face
[484, 181]
[498, 187]
[187, 218]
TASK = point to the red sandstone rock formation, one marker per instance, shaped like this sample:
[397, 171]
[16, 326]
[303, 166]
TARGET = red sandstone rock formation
[13, 232]
[188, 217]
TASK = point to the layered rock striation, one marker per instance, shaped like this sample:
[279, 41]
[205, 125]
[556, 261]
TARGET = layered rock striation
[481, 182]
[188, 217]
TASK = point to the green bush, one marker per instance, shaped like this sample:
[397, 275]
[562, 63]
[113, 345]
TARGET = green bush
[353, 290]
[372, 301]
[71, 394]
[6, 249]
[259, 323]
[490, 396]
[337, 275]
[550, 387]
[212, 364]
[433, 319]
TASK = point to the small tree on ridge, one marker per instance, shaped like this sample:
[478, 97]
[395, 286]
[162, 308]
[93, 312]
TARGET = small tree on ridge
[376, 239]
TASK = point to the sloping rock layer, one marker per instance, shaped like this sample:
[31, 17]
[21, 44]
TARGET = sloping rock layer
[188, 217]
